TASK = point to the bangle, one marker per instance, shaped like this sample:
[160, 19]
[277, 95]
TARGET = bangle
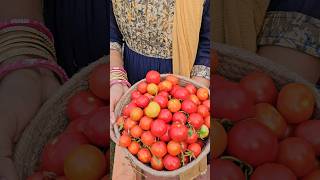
[123, 82]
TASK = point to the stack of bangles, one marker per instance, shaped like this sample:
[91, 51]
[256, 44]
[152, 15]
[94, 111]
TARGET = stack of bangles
[31, 40]
[118, 76]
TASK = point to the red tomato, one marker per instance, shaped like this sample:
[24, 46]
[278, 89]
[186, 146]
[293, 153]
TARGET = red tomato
[149, 96]
[195, 148]
[98, 81]
[166, 137]
[296, 103]
[158, 128]
[174, 89]
[181, 93]
[314, 175]
[298, 155]
[200, 142]
[96, 130]
[142, 87]
[188, 106]
[232, 102]
[203, 111]
[191, 88]
[157, 163]
[78, 125]
[144, 155]
[85, 162]
[178, 132]
[174, 148]
[135, 94]
[194, 99]
[82, 103]
[196, 120]
[127, 109]
[192, 136]
[164, 94]
[173, 79]
[220, 138]
[174, 105]
[260, 86]
[136, 114]
[165, 115]
[309, 131]
[136, 131]
[267, 115]
[224, 169]
[165, 86]
[184, 146]
[56, 151]
[142, 101]
[219, 82]
[153, 77]
[159, 149]
[129, 123]
[171, 162]
[206, 103]
[207, 121]
[202, 94]
[147, 138]
[179, 117]
[145, 123]
[161, 100]
[252, 142]
[134, 147]
[272, 171]
[124, 140]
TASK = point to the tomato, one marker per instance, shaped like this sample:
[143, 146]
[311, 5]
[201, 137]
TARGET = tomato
[142, 87]
[225, 169]
[152, 110]
[174, 148]
[179, 117]
[165, 86]
[267, 115]
[252, 142]
[174, 89]
[220, 139]
[164, 94]
[145, 123]
[124, 140]
[56, 151]
[296, 103]
[37, 176]
[206, 103]
[159, 149]
[191, 88]
[156, 163]
[181, 93]
[153, 77]
[129, 123]
[203, 132]
[96, 130]
[196, 120]
[161, 100]
[158, 128]
[289, 131]
[142, 101]
[165, 115]
[174, 105]
[298, 155]
[134, 147]
[136, 131]
[309, 131]
[166, 137]
[202, 94]
[173, 79]
[136, 114]
[85, 162]
[203, 111]
[207, 121]
[184, 146]
[127, 109]
[152, 89]
[147, 138]
[188, 106]
[272, 171]
[78, 125]
[135, 94]
[98, 81]
[171, 162]
[232, 102]
[144, 155]
[149, 96]
[195, 148]
[260, 86]
[194, 99]
[178, 132]
[219, 82]
[192, 136]
[82, 103]
[314, 175]
[200, 142]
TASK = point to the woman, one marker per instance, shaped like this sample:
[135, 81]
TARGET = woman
[144, 36]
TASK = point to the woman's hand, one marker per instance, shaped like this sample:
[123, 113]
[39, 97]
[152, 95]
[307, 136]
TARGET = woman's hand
[202, 80]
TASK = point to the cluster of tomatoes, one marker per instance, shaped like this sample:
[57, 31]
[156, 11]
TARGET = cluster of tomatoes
[165, 125]
[262, 133]
[81, 150]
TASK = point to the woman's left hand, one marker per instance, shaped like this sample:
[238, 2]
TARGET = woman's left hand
[202, 80]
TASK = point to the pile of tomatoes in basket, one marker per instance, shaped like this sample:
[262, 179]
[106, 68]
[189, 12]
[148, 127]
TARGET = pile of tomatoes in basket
[262, 132]
[81, 151]
[165, 125]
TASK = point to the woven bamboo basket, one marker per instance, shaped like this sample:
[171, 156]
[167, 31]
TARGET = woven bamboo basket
[50, 121]
[135, 162]
[234, 63]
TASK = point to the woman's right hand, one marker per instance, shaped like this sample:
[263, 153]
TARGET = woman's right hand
[116, 92]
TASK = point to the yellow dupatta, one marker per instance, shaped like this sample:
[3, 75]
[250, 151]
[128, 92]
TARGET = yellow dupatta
[185, 36]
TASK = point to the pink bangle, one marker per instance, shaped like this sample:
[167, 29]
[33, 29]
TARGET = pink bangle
[118, 69]
[123, 82]
[30, 63]
[30, 23]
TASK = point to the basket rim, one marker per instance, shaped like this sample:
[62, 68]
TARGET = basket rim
[144, 167]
